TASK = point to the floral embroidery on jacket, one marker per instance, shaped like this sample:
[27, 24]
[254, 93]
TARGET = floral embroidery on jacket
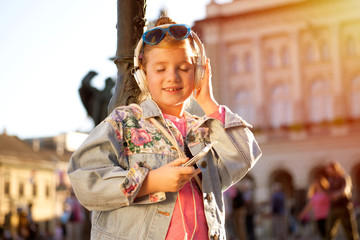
[138, 135]
[133, 179]
[156, 197]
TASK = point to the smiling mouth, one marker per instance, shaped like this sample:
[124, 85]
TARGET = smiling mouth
[172, 89]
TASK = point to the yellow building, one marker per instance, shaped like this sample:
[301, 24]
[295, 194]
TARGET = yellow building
[34, 173]
[292, 69]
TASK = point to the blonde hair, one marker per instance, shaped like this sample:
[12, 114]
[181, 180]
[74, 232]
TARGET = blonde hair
[337, 168]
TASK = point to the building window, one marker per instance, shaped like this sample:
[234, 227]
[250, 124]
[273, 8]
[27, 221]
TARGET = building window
[270, 58]
[355, 97]
[247, 62]
[310, 53]
[321, 105]
[7, 184]
[34, 189]
[351, 47]
[7, 187]
[281, 109]
[21, 189]
[285, 58]
[234, 64]
[325, 52]
[245, 108]
[47, 191]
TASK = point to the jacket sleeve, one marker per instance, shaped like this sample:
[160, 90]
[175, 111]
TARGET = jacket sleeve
[237, 150]
[100, 173]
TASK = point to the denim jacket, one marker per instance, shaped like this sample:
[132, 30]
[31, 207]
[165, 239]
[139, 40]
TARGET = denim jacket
[107, 170]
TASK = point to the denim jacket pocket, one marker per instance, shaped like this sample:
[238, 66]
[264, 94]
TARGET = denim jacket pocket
[116, 224]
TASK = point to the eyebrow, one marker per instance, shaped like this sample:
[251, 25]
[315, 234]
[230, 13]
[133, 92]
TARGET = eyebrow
[166, 62]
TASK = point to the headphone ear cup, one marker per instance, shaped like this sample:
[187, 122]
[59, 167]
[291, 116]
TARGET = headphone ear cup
[140, 78]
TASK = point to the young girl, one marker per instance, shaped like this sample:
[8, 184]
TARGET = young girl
[318, 204]
[129, 171]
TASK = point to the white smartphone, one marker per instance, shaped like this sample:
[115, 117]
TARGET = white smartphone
[199, 156]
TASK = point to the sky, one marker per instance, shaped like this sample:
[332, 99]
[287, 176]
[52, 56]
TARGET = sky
[48, 46]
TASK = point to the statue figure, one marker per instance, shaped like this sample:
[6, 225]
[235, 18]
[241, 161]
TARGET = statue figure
[95, 101]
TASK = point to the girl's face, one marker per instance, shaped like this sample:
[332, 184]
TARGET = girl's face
[170, 75]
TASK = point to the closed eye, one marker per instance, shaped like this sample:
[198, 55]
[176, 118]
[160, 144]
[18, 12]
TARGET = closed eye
[160, 69]
[185, 67]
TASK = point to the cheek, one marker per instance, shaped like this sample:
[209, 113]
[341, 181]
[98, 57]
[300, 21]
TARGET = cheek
[152, 83]
[150, 77]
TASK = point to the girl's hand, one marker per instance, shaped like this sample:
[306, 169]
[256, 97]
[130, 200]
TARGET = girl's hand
[172, 177]
[168, 178]
[204, 95]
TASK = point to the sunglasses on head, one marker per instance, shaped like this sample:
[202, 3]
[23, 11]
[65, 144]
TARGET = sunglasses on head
[155, 35]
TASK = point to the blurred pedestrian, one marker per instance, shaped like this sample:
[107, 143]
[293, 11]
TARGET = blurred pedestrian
[279, 212]
[250, 210]
[11, 223]
[341, 206]
[76, 218]
[318, 204]
[229, 195]
[59, 231]
[23, 227]
[32, 225]
[239, 209]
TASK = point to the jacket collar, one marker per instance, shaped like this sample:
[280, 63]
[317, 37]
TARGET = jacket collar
[150, 109]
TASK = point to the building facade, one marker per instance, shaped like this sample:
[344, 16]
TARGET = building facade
[34, 173]
[292, 69]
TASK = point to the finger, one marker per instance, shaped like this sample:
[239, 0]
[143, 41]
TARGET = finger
[206, 77]
[189, 171]
[195, 172]
[207, 68]
[178, 161]
[208, 65]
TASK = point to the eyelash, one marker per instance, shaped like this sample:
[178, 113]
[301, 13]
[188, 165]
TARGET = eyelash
[185, 69]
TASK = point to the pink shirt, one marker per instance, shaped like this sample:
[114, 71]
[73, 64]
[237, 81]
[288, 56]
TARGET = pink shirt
[320, 205]
[176, 228]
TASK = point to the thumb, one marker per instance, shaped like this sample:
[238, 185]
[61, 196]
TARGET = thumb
[178, 161]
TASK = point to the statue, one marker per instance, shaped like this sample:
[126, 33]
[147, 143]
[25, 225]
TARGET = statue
[95, 101]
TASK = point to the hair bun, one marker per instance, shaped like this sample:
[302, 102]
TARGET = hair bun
[164, 20]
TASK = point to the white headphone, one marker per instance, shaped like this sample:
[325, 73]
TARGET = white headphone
[140, 75]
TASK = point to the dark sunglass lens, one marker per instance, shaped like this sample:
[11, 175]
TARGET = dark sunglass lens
[178, 32]
[154, 36]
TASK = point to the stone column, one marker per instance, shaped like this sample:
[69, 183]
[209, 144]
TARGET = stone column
[298, 100]
[339, 99]
[261, 116]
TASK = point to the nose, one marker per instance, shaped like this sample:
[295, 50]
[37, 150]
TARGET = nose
[172, 75]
